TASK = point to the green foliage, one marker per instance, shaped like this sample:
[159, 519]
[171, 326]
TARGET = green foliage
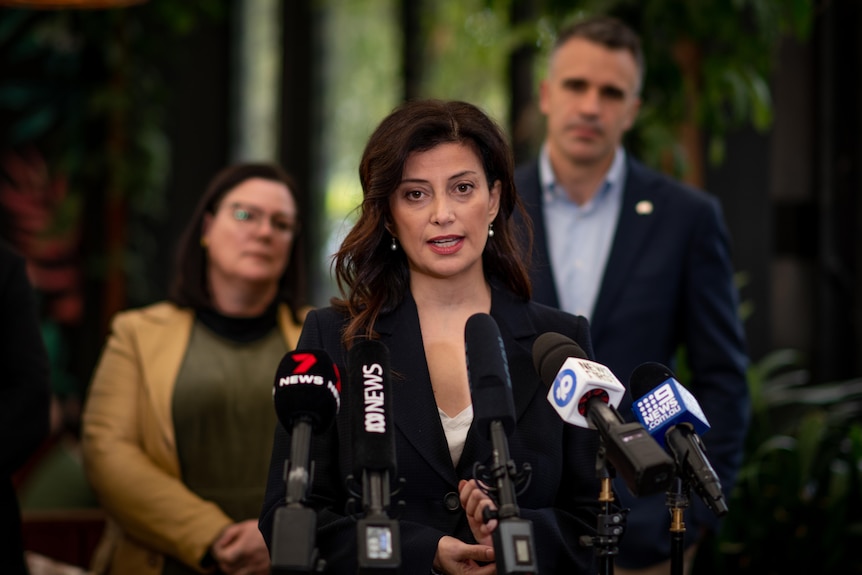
[735, 46]
[467, 52]
[84, 88]
[797, 505]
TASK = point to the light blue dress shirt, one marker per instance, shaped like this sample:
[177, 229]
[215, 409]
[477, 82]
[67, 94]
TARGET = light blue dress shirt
[580, 237]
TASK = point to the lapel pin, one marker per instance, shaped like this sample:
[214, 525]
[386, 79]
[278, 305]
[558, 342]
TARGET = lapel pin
[643, 207]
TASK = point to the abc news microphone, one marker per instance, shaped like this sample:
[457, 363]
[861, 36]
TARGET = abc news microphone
[585, 393]
[307, 397]
[673, 417]
[369, 398]
[494, 418]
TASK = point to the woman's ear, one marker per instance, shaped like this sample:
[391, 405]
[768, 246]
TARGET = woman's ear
[389, 227]
[494, 203]
[206, 224]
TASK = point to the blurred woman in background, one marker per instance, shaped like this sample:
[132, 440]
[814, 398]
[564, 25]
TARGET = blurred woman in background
[178, 422]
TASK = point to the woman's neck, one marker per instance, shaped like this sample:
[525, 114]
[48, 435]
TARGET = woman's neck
[451, 296]
[250, 301]
[240, 329]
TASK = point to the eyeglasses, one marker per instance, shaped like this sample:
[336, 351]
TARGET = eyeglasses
[252, 215]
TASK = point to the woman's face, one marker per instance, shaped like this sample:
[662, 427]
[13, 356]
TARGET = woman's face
[441, 211]
[249, 237]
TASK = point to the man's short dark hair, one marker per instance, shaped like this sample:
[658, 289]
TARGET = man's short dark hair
[607, 31]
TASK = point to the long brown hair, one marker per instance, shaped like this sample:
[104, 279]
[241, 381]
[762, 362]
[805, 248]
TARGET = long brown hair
[189, 287]
[371, 277]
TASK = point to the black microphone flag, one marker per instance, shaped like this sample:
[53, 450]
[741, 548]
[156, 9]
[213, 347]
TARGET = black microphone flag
[369, 396]
[307, 396]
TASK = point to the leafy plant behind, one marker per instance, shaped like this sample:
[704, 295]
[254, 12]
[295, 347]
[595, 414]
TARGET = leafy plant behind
[797, 504]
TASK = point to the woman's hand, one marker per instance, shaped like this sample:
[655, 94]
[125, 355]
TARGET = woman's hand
[474, 501]
[241, 550]
[454, 557]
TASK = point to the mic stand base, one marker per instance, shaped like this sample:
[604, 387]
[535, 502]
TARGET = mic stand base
[379, 543]
[677, 500]
[610, 525]
[293, 542]
[513, 541]
[514, 550]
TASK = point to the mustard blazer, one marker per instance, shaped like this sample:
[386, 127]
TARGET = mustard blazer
[129, 447]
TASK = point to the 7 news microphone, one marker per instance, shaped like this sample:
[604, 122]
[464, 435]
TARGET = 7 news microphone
[307, 397]
[673, 417]
[585, 393]
[369, 397]
[494, 418]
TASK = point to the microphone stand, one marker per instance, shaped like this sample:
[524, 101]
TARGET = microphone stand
[677, 500]
[295, 525]
[514, 549]
[378, 535]
[610, 524]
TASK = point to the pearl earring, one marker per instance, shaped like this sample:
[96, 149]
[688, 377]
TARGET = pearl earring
[491, 231]
[394, 246]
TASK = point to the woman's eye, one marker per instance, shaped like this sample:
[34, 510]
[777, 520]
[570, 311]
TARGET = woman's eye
[464, 188]
[241, 214]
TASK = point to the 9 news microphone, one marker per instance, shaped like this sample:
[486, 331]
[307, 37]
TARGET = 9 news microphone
[494, 418]
[673, 417]
[307, 396]
[585, 393]
[369, 398]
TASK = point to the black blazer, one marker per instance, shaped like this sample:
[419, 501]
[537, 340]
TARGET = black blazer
[561, 500]
[668, 282]
[25, 397]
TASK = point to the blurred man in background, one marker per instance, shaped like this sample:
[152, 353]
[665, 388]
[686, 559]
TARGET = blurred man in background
[645, 258]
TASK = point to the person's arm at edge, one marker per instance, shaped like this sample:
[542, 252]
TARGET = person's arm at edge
[716, 351]
[25, 390]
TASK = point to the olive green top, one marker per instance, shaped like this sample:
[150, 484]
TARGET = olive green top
[225, 420]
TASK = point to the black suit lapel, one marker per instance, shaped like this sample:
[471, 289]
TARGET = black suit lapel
[414, 407]
[638, 215]
[518, 332]
[541, 275]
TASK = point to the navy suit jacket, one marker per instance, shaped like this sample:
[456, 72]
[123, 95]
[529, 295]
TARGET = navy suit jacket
[668, 282]
[562, 497]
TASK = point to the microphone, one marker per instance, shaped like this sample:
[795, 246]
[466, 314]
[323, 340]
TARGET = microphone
[585, 394]
[370, 401]
[307, 397]
[494, 418]
[673, 417]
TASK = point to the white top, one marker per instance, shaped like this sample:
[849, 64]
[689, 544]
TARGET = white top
[456, 429]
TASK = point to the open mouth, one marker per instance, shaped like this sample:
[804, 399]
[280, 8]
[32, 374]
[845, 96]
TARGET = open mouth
[447, 245]
[445, 242]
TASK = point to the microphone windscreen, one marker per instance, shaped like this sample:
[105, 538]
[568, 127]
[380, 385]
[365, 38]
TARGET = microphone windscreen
[488, 374]
[550, 352]
[307, 387]
[647, 376]
[369, 398]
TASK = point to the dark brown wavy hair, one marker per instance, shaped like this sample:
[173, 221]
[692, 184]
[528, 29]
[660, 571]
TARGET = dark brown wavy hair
[189, 287]
[371, 277]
